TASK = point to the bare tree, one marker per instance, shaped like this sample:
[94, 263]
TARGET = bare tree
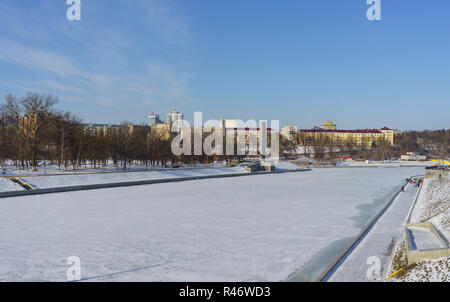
[124, 140]
[64, 124]
[37, 109]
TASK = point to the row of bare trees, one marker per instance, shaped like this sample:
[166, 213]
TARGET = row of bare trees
[433, 143]
[33, 134]
[323, 148]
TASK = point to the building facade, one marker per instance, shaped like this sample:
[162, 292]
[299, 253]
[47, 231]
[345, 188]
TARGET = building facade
[328, 125]
[289, 133]
[164, 129]
[173, 117]
[154, 119]
[329, 133]
[236, 131]
[228, 123]
[413, 156]
[105, 129]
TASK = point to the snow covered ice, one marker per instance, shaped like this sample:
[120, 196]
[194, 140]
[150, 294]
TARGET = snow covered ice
[250, 228]
[87, 179]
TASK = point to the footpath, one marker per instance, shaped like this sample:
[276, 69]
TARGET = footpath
[379, 243]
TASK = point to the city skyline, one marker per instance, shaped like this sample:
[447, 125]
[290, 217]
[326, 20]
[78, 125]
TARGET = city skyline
[299, 62]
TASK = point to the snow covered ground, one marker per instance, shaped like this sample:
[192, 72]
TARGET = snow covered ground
[432, 205]
[379, 242]
[423, 239]
[428, 271]
[7, 185]
[52, 181]
[53, 169]
[394, 163]
[250, 228]
[87, 179]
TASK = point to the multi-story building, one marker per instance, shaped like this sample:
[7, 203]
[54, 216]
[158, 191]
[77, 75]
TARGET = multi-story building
[413, 156]
[289, 133]
[329, 132]
[154, 119]
[173, 117]
[328, 125]
[164, 129]
[27, 125]
[251, 135]
[228, 123]
[104, 129]
[242, 128]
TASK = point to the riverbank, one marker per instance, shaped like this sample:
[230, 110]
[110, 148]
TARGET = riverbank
[433, 205]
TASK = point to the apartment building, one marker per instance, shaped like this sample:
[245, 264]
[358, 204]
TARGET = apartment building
[336, 136]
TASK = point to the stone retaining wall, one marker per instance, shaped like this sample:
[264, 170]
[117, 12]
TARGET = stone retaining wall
[415, 255]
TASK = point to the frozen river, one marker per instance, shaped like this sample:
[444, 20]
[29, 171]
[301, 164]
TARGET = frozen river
[252, 228]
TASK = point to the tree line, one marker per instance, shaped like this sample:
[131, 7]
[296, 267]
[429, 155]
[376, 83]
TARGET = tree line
[33, 134]
[432, 143]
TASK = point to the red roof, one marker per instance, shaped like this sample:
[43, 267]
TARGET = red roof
[341, 131]
[247, 129]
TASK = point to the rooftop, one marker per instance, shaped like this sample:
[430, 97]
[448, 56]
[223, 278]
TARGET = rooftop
[341, 131]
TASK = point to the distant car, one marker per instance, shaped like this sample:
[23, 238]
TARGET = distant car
[175, 166]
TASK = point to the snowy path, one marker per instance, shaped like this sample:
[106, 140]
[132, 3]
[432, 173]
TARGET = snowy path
[378, 242]
[423, 239]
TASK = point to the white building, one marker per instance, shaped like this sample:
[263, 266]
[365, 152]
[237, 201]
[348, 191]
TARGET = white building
[289, 132]
[228, 123]
[154, 119]
[174, 116]
[413, 156]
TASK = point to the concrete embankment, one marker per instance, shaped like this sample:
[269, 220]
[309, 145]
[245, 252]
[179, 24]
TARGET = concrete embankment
[374, 240]
[29, 192]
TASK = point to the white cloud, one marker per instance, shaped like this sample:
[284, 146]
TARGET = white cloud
[37, 59]
[166, 21]
[20, 86]
[158, 82]
[61, 86]
[100, 74]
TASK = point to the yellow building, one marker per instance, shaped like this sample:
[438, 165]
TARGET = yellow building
[329, 134]
[28, 125]
[328, 125]
[162, 130]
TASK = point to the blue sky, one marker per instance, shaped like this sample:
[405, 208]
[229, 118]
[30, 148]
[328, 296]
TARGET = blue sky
[298, 61]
